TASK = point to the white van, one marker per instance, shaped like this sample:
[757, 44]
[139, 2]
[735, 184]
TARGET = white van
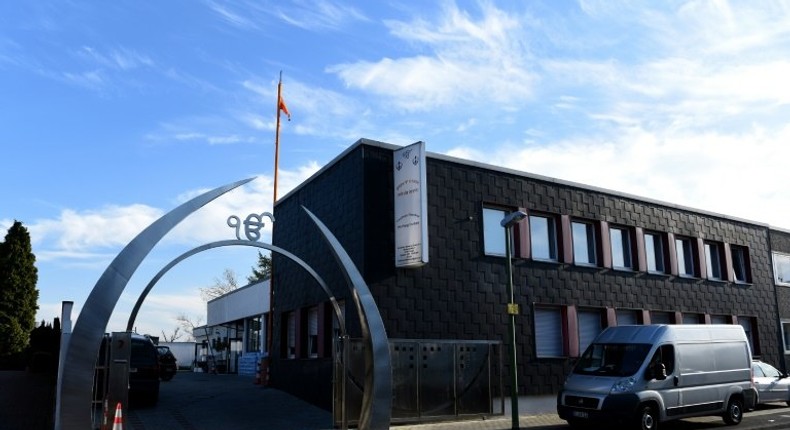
[641, 375]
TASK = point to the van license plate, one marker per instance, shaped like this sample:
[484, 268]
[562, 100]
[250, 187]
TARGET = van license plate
[580, 414]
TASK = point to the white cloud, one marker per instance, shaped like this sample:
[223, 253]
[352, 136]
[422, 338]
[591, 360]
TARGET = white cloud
[733, 175]
[106, 227]
[320, 15]
[81, 237]
[471, 60]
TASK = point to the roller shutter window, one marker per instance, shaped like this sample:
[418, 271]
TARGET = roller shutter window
[548, 332]
[589, 327]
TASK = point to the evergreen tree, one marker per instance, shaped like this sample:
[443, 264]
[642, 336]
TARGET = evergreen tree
[263, 271]
[18, 293]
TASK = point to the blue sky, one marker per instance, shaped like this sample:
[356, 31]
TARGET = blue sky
[113, 113]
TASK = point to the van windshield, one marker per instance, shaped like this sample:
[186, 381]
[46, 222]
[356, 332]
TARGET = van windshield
[612, 359]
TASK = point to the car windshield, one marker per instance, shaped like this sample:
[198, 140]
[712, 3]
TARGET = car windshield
[612, 359]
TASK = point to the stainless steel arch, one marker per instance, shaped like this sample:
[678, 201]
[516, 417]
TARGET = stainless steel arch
[221, 243]
[377, 397]
[77, 370]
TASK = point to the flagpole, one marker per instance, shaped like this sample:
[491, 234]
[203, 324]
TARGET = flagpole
[277, 136]
[274, 201]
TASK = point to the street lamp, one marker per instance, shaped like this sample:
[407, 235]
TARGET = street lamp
[508, 222]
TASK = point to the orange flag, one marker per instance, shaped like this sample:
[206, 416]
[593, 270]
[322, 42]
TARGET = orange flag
[284, 108]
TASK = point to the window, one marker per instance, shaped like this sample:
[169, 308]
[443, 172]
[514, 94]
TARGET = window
[589, 327]
[746, 323]
[660, 317]
[684, 248]
[786, 335]
[693, 319]
[719, 319]
[291, 335]
[627, 317]
[654, 253]
[312, 332]
[782, 268]
[254, 334]
[583, 243]
[740, 264]
[543, 235]
[493, 232]
[664, 355]
[620, 238]
[713, 260]
[548, 332]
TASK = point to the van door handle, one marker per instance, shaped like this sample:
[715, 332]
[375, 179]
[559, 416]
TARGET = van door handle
[676, 380]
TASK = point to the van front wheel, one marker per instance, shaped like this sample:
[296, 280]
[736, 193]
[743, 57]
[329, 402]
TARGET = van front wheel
[734, 413]
[647, 418]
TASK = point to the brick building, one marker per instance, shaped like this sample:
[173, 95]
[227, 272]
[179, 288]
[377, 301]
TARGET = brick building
[584, 259]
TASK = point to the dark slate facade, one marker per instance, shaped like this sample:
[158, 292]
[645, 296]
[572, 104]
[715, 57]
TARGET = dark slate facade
[462, 292]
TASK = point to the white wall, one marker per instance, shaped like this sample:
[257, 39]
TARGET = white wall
[244, 302]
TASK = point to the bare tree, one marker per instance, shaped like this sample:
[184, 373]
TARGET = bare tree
[173, 337]
[222, 286]
[189, 325]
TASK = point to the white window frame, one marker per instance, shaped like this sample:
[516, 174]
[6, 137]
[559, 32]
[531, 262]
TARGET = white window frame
[740, 260]
[714, 260]
[654, 253]
[543, 239]
[622, 251]
[584, 243]
[684, 249]
[494, 237]
[781, 268]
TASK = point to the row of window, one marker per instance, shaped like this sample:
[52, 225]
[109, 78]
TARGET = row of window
[561, 238]
[565, 331]
[308, 332]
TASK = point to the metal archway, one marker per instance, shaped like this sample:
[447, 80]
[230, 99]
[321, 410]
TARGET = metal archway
[222, 243]
[377, 396]
[75, 377]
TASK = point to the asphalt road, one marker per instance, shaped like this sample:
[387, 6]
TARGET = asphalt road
[198, 401]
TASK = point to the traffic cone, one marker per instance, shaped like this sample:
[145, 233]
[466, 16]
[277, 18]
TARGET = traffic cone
[118, 421]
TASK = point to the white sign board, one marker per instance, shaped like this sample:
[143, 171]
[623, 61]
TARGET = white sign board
[411, 206]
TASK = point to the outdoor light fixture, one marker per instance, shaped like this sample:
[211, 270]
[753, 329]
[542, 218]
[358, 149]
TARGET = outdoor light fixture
[508, 222]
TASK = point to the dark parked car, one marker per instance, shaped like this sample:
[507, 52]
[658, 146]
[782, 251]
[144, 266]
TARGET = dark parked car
[143, 371]
[167, 363]
[771, 384]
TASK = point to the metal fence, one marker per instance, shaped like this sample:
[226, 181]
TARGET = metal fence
[432, 380]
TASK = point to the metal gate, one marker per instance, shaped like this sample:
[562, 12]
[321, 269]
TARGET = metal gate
[432, 380]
